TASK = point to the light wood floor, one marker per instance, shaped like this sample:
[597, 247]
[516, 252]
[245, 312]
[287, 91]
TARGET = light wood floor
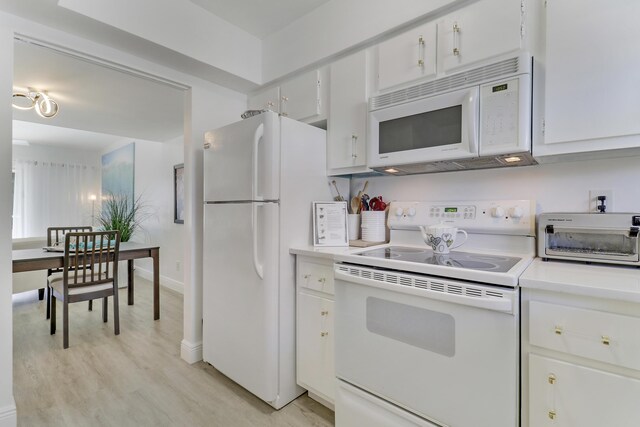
[134, 379]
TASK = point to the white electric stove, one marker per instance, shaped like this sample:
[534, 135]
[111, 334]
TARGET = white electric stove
[433, 340]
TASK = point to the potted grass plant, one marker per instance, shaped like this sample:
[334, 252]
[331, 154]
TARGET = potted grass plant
[120, 212]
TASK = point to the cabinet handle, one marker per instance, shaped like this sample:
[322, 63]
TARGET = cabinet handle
[551, 379]
[605, 340]
[456, 39]
[283, 110]
[420, 52]
[322, 280]
[307, 276]
[552, 415]
[354, 150]
[324, 334]
[324, 313]
[558, 330]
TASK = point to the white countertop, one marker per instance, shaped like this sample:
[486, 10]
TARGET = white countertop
[328, 252]
[601, 281]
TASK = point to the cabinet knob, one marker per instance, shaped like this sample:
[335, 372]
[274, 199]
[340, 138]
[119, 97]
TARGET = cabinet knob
[306, 276]
[322, 280]
[324, 313]
[551, 379]
[354, 150]
[324, 334]
[456, 39]
[552, 415]
[558, 330]
[605, 340]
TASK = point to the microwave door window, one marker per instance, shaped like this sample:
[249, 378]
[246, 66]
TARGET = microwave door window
[425, 130]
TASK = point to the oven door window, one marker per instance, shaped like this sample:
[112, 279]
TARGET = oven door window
[419, 327]
[425, 130]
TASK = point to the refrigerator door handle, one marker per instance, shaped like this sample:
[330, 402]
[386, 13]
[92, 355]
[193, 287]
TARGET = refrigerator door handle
[257, 137]
[259, 267]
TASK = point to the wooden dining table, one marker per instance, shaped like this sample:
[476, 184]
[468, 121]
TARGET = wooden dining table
[39, 259]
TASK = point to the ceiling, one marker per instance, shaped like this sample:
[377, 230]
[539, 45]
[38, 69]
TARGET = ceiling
[101, 100]
[36, 133]
[95, 98]
[259, 17]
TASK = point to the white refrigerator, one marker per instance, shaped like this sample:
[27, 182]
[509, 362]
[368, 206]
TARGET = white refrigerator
[260, 177]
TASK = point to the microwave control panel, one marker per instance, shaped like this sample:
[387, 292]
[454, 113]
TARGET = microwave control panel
[503, 216]
[505, 116]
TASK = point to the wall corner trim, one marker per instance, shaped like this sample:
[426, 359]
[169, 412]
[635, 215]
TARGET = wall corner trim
[191, 352]
[8, 416]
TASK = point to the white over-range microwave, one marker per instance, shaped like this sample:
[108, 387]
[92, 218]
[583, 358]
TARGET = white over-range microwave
[476, 119]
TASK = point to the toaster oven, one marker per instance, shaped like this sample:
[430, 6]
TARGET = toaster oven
[591, 237]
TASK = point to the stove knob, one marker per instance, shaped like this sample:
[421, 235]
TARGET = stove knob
[411, 211]
[516, 212]
[497, 212]
[399, 211]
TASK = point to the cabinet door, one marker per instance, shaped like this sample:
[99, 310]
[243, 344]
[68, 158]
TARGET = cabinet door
[300, 96]
[563, 394]
[478, 32]
[592, 69]
[268, 99]
[315, 345]
[409, 56]
[346, 141]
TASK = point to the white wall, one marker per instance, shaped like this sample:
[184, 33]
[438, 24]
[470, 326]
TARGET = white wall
[181, 26]
[554, 187]
[7, 404]
[56, 154]
[153, 182]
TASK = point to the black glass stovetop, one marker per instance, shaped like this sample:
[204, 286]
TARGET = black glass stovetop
[472, 261]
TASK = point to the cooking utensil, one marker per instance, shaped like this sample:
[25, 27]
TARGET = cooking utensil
[365, 202]
[339, 197]
[356, 201]
[355, 205]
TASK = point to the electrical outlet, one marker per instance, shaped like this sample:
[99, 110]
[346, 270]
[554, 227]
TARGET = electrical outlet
[177, 265]
[593, 200]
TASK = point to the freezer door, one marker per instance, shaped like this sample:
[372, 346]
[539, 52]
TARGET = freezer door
[240, 294]
[242, 160]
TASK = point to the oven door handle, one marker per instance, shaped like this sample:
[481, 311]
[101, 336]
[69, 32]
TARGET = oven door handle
[504, 305]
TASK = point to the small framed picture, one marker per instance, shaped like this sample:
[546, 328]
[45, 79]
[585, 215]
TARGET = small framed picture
[330, 224]
[178, 194]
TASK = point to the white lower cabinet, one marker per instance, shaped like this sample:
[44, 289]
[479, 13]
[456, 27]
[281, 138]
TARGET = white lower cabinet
[315, 332]
[566, 394]
[579, 361]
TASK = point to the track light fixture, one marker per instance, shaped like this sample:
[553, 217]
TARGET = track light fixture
[43, 104]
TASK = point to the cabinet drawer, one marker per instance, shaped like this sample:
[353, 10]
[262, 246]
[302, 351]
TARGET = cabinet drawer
[567, 395]
[597, 335]
[316, 276]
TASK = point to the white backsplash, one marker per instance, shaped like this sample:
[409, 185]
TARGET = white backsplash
[562, 187]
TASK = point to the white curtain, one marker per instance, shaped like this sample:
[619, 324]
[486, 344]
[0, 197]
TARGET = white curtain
[48, 194]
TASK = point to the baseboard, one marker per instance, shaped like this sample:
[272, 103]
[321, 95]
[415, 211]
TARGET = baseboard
[165, 281]
[8, 416]
[191, 352]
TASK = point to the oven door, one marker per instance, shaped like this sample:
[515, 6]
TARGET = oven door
[442, 127]
[444, 350]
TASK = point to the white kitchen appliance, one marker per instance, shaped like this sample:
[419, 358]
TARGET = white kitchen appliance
[424, 339]
[610, 238]
[260, 178]
[476, 119]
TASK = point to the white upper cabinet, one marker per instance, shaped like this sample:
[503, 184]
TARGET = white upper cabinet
[303, 97]
[407, 57]
[480, 31]
[346, 127]
[592, 77]
[268, 99]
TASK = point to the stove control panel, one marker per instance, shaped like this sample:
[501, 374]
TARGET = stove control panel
[503, 216]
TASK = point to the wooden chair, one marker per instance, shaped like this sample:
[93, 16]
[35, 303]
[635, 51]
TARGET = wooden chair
[90, 272]
[55, 236]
